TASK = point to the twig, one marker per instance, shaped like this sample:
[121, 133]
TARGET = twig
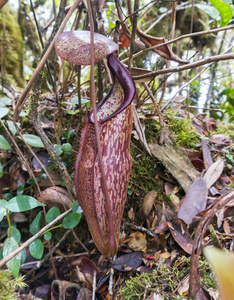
[21, 157]
[134, 29]
[79, 241]
[39, 264]
[195, 77]
[33, 238]
[142, 229]
[42, 62]
[94, 284]
[34, 154]
[201, 62]
[110, 288]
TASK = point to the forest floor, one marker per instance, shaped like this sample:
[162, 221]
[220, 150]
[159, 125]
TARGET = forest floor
[180, 200]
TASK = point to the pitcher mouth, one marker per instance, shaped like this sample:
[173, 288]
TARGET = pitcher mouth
[121, 94]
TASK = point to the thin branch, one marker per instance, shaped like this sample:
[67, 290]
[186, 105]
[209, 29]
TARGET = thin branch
[21, 157]
[201, 62]
[33, 238]
[195, 77]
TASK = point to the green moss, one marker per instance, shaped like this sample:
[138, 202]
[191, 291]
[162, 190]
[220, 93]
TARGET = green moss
[12, 48]
[144, 170]
[9, 285]
[164, 280]
[227, 129]
[184, 135]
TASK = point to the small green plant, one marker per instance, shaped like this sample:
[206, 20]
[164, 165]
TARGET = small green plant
[9, 285]
[23, 203]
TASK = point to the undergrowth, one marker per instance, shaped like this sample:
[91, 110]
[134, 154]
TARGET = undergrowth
[164, 281]
[183, 132]
[9, 285]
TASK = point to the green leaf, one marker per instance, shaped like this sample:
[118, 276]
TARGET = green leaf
[5, 101]
[76, 208]
[23, 203]
[224, 9]
[52, 214]
[32, 140]
[71, 112]
[4, 145]
[11, 127]
[210, 11]
[14, 264]
[71, 220]
[58, 149]
[23, 256]
[3, 204]
[3, 112]
[15, 234]
[36, 224]
[66, 147]
[36, 249]
[47, 236]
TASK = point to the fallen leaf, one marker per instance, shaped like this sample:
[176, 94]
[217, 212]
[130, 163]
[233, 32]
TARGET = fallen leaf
[206, 154]
[55, 196]
[226, 227]
[44, 160]
[128, 262]
[198, 164]
[213, 172]
[84, 294]
[183, 289]
[147, 204]
[221, 141]
[138, 241]
[183, 239]
[171, 188]
[194, 201]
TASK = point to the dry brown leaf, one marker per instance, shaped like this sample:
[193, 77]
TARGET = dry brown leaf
[139, 71]
[138, 241]
[147, 204]
[56, 196]
[171, 188]
[165, 255]
[183, 239]
[206, 154]
[194, 201]
[164, 51]
[214, 172]
[226, 227]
